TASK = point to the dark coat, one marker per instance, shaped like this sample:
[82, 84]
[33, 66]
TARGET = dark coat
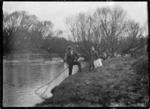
[70, 58]
[93, 56]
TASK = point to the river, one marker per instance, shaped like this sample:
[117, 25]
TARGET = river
[22, 76]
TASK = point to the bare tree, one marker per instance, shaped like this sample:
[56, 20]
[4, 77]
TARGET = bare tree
[108, 30]
[112, 24]
[104, 25]
[21, 30]
[133, 39]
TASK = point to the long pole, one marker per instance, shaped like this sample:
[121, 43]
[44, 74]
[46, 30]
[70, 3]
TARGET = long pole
[49, 83]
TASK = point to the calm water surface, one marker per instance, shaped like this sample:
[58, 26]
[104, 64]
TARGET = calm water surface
[22, 76]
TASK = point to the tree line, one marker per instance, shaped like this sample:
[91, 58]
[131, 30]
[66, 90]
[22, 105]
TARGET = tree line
[22, 31]
[110, 31]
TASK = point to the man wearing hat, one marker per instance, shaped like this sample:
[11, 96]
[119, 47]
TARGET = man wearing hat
[71, 58]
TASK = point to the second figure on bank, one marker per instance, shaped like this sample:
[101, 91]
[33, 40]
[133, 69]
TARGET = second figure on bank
[93, 56]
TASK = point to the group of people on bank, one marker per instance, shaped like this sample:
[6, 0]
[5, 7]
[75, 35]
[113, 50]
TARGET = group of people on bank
[71, 58]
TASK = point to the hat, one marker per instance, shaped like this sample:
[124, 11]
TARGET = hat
[69, 47]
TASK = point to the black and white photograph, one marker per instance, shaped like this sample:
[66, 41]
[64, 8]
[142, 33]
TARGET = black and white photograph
[75, 54]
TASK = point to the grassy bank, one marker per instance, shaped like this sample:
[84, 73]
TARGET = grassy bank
[120, 82]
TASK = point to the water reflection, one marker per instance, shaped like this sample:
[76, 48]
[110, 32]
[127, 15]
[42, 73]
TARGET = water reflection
[22, 77]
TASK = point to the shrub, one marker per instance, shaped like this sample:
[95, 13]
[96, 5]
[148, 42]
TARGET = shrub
[141, 65]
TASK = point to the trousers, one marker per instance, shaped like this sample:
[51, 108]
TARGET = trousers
[91, 65]
[71, 66]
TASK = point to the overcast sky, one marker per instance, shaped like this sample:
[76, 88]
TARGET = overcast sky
[58, 11]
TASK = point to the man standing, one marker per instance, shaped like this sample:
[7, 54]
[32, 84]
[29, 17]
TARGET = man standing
[71, 58]
[93, 57]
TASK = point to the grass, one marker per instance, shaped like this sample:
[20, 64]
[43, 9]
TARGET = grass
[118, 83]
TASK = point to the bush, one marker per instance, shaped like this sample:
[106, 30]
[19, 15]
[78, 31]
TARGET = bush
[141, 65]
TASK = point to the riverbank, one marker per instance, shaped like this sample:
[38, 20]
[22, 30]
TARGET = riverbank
[120, 82]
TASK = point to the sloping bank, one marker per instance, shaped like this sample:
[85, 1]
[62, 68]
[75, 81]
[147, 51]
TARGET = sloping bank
[117, 83]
